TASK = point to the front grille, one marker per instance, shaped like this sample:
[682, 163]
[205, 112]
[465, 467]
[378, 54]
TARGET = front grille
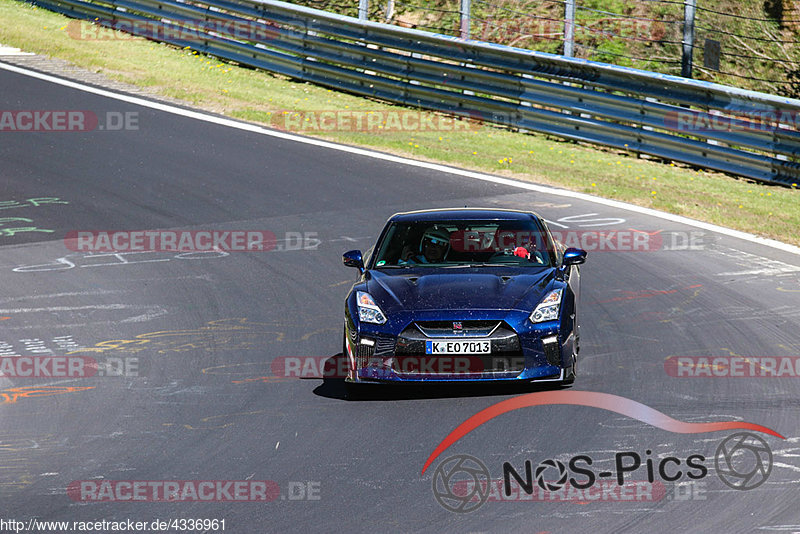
[384, 346]
[411, 359]
[451, 328]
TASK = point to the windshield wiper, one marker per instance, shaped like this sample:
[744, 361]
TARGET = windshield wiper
[468, 265]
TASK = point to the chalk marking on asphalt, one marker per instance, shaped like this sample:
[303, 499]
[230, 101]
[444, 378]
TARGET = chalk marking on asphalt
[75, 308]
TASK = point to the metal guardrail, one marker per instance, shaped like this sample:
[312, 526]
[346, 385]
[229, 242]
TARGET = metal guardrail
[741, 132]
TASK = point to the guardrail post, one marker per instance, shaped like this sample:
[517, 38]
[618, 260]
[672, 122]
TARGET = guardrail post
[363, 7]
[464, 11]
[688, 37]
[389, 10]
[569, 28]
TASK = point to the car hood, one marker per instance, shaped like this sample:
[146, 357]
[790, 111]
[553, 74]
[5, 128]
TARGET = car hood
[468, 289]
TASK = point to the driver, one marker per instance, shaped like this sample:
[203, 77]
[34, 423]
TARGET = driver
[433, 247]
[529, 252]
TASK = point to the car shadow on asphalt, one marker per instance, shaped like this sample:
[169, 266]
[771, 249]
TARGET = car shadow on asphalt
[333, 387]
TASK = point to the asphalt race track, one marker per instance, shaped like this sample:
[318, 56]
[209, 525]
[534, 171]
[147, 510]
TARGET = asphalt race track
[196, 337]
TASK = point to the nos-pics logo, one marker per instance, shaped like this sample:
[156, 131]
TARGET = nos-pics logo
[462, 483]
[452, 473]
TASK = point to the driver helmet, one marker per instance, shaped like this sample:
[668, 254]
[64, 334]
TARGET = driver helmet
[438, 236]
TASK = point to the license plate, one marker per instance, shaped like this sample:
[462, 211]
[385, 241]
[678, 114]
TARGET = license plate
[458, 346]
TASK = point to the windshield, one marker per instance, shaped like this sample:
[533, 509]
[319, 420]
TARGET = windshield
[464, 243]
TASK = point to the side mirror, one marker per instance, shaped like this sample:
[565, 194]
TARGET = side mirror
[352, 258]
[574, 256]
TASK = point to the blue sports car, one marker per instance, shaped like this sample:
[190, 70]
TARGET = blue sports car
[463, 295]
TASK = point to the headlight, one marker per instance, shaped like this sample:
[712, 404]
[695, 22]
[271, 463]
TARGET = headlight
[547, 310]
[368, 311]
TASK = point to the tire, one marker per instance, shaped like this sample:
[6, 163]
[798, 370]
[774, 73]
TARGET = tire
[354, 391]
[344, 351]
[571, 372]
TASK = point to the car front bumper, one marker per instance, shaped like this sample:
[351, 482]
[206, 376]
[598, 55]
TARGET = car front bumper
[520, 350]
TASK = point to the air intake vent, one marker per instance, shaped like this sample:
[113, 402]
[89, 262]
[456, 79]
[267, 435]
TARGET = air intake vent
[365, 353]
[551, 350]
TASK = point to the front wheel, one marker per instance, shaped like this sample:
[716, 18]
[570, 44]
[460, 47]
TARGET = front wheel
[570, 372]
[354, 390]
[351, 374]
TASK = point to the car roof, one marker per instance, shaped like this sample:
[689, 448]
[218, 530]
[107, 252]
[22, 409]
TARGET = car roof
[454, 214]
